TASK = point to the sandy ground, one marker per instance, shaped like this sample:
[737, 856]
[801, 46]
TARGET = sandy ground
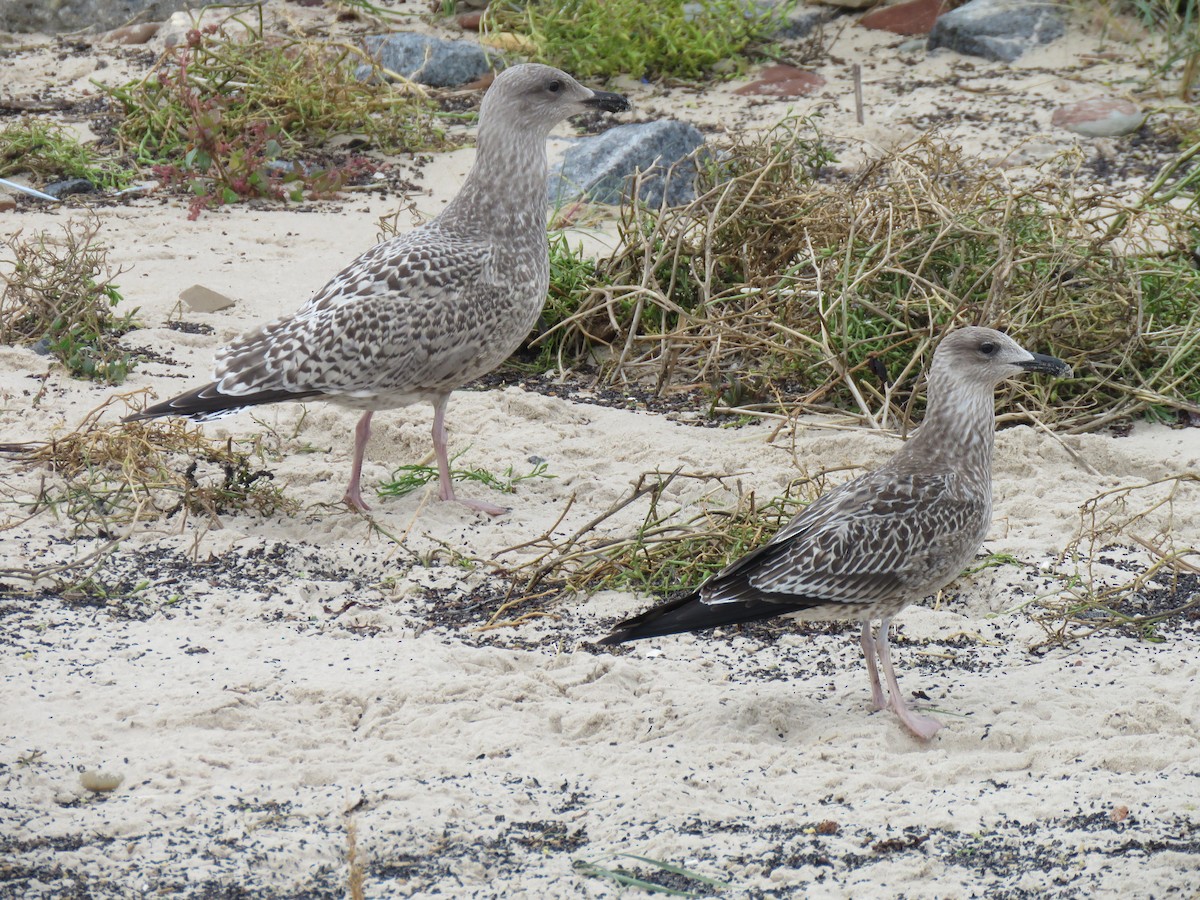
[264, 684]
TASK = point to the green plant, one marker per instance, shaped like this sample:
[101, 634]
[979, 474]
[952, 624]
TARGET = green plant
[698, 885]
[48, 151]
[572, 275]
[244, 117]
[382, 13]
[678, 544]
[603, 38]
[61, 291]
[1179, 23]
[408, 478]
[834, 294]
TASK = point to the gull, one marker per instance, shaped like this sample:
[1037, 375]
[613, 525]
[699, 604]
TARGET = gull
[871, 546]
[428, 311]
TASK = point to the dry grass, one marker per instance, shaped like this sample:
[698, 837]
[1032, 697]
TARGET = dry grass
[1102, 588]
[833, 294]
[681, 541]
[107, 476]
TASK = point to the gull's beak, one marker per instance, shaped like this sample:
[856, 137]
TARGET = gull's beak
[607, 101]
[1051, 365]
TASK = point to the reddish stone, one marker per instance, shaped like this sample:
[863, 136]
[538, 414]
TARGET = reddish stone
[133, 34]
[913, 17]
[782, 81]
[469, 21]
[1100, 117]
[482, 83]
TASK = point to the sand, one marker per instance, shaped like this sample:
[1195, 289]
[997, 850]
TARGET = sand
[263, 684]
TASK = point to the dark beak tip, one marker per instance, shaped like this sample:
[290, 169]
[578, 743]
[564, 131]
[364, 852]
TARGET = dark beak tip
[609, 102]
[1051, 365]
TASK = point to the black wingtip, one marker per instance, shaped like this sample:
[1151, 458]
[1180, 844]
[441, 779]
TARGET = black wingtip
[683, 613]
[208, 402]
[687, 612]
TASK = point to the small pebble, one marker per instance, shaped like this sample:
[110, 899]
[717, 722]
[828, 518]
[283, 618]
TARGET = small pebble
[1099, 117]
[132, 34]
[100, 782]
[203, 299]
[59, 189]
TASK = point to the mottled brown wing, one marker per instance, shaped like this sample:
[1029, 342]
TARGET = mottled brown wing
[873, 539]
[384, 317]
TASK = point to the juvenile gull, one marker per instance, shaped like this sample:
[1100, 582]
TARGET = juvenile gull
[421, 314]
[869, 547]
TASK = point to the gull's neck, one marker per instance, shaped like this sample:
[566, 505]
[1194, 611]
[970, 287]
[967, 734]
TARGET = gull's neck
[959, 430]
[504, 195]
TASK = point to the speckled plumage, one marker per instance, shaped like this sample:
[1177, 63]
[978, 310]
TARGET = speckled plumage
[868, 548]
[421, 314]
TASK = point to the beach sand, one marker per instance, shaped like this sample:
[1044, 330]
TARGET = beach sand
[263, 684]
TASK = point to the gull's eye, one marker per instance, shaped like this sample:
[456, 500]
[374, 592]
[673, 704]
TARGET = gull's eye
[987, 348]
[554, 87]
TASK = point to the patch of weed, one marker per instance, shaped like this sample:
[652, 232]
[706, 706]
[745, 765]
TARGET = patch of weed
[572, 274]
[408, 478]
[60, 291]
[834, 294]
[239, 115]
[604, 38]
[112, 474]
[679, 544]
[1103, 587]
[49, 152]
[1179, 23]
[663, 878]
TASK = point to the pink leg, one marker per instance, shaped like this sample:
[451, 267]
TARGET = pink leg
[362, 433]
[443, 461]
[869, 651]
[922, 726]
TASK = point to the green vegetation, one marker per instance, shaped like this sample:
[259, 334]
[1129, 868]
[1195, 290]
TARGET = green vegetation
[603, 38]
[833, 294]
[60, 290]
[572, 274]
[408, 478]
[697, 885]
[678, 544]
[51, 153]
[1179, 23]
[240, 117]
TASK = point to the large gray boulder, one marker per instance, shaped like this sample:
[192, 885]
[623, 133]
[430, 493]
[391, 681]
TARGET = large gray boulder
[998, 29]
[54, 16]
[599, 167]
[428, 60]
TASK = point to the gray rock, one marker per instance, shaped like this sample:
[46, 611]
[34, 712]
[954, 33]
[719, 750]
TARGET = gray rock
[599, 167]
[998, 29]
[60, 189]
[94, 15]
[428, 60]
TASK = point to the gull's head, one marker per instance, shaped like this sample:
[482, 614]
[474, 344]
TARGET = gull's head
[534, 98]
[983, 357]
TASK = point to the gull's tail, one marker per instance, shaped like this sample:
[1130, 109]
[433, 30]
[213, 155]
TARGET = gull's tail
[689, 613]
[209, 402]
